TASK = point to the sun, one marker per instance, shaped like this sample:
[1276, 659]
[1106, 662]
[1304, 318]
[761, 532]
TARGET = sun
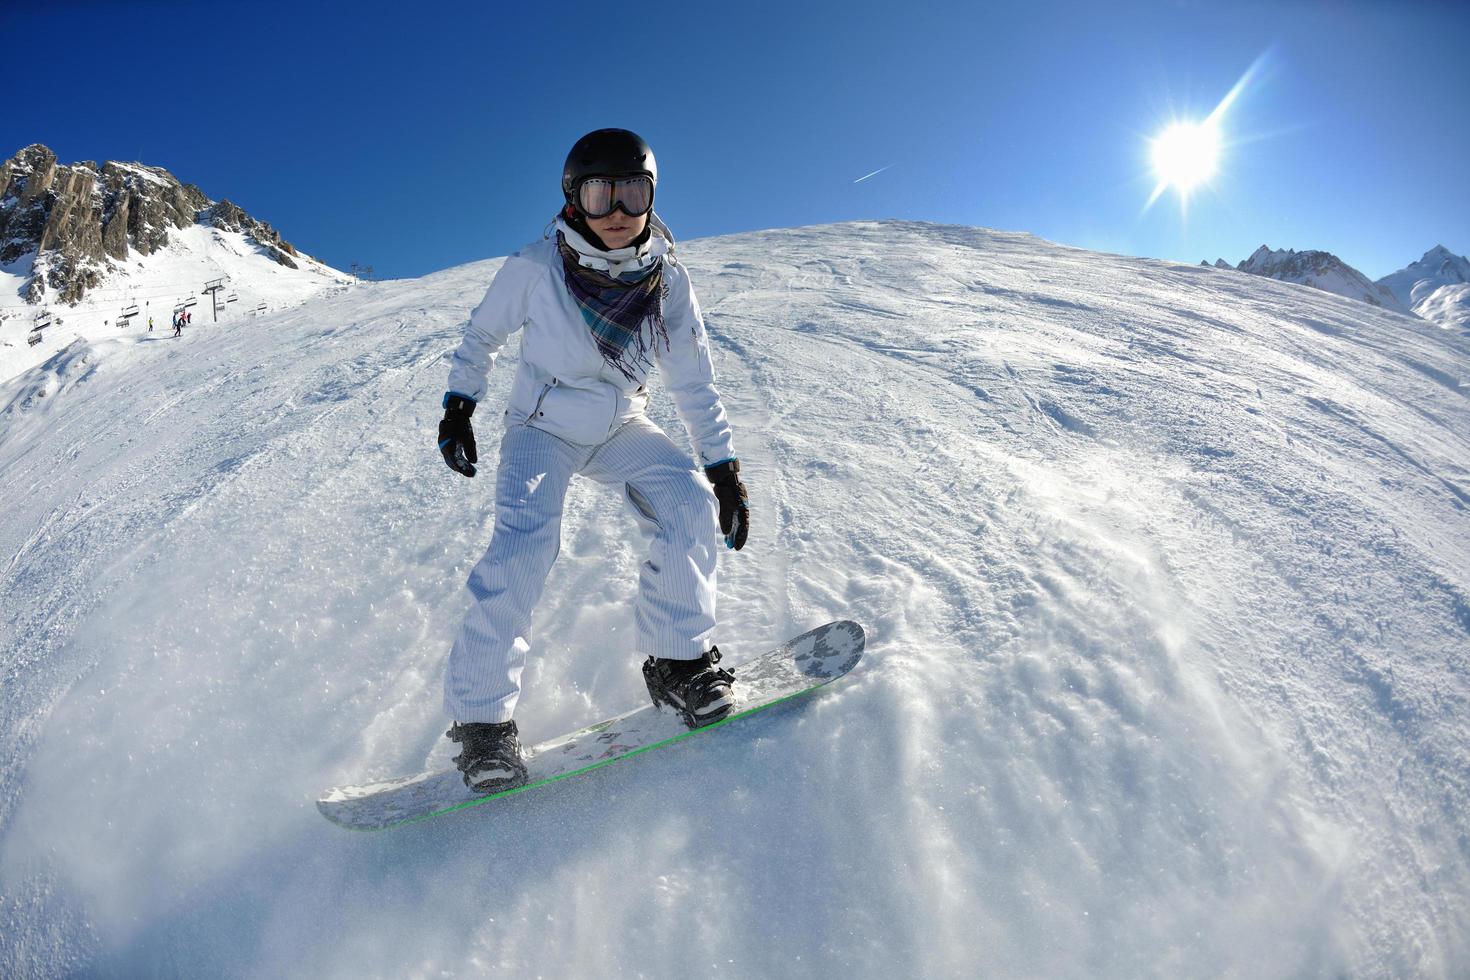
[1186, 152]
[1186, 155]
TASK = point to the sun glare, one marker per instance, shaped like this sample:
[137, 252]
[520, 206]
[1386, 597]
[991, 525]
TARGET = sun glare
[1186, 155]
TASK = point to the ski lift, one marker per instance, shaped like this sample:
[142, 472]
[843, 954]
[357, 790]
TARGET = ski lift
[34, 338]
[232, 298]
[43, 320]
[260, 308]
[131, 310]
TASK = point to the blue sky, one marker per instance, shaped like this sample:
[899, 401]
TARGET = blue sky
[414, 137]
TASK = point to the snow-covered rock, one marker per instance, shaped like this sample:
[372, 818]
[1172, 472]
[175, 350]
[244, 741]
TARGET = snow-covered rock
[1320, 270]
[1165, 575]
[1435, 287]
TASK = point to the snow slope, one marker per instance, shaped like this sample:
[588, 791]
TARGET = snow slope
[1448, 306]
[1165, 572]
[155, 284]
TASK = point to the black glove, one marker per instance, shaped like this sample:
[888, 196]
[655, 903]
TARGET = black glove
[456, 437]
[730, 492]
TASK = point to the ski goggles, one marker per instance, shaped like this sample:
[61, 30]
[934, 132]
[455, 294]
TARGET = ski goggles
[598, 197]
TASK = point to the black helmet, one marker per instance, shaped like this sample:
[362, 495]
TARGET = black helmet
[607, 153]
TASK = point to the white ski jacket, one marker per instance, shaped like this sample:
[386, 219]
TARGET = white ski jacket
[563, 384]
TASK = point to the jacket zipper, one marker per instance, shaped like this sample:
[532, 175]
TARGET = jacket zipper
[545, 390]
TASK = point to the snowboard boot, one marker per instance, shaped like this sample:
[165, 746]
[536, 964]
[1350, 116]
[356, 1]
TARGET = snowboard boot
[697, 689]
[490, 755]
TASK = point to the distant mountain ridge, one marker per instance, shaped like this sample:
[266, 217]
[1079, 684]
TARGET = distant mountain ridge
[76, 224]
[1321, 270]
[1435, 288]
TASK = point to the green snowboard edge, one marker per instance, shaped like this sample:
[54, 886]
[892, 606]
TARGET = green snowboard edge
[477, 801]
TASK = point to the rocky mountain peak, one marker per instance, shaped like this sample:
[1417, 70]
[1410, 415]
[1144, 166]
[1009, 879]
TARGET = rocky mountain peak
[1321, 270]
[65, 226]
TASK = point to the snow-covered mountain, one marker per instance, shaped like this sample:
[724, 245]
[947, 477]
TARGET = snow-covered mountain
[1437, 287]
[1165, 572]
[86, 251]
[1439, 267]
[1320, 270]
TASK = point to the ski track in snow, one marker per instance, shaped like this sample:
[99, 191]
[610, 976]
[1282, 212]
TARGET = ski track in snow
[1163, 571]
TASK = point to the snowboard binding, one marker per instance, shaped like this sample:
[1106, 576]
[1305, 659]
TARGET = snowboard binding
[490, 756]
[698, 690]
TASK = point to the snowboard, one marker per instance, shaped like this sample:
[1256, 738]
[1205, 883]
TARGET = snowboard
[796, 667]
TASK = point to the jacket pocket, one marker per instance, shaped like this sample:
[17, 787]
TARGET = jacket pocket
[583, 416]
[545, 390]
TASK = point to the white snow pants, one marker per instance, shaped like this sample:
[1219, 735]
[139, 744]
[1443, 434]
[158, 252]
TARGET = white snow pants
[674, 507]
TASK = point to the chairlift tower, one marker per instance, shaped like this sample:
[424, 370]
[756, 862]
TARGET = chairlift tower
[212, 287]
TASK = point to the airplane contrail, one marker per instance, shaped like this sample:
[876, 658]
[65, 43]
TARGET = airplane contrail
[873, 174]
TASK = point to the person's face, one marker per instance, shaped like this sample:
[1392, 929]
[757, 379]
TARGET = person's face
[617, 229]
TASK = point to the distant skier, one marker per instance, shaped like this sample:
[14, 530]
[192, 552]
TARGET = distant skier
[150, 324]
[601, 302]
[178, 325]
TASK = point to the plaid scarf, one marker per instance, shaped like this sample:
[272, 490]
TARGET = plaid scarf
[615, 309]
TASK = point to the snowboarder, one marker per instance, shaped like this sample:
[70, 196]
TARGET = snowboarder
[601, 302]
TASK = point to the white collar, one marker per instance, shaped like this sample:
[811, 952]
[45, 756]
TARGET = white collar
[630, 258]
